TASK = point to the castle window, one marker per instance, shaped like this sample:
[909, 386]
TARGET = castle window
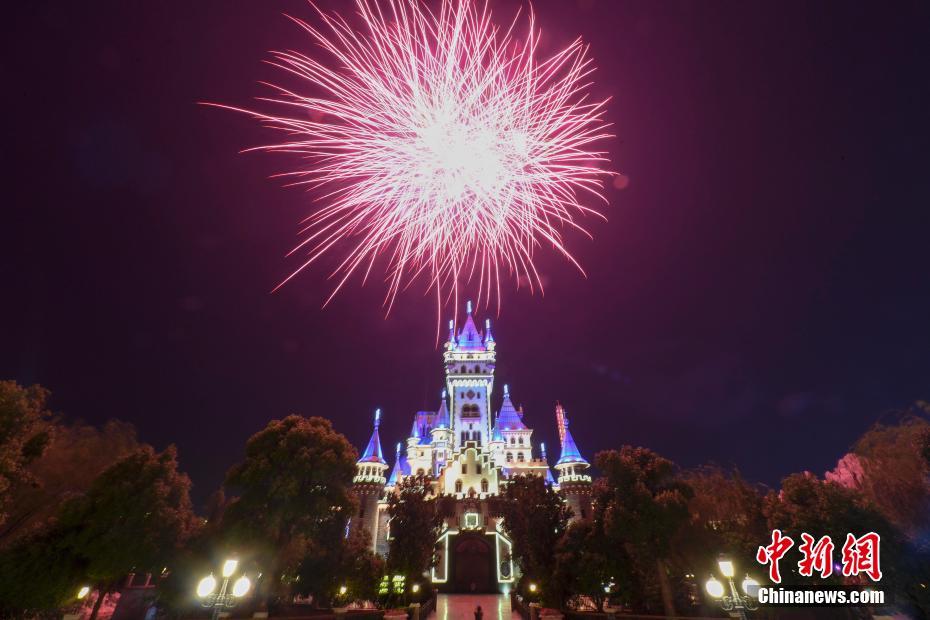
[510, 457]
[478, 469]
[513, 441]
[462, 369]
[464, 436]
[464, 468]
[458, 486]
[521, 441]
[520, 456]
[477, 368]
[484, 486]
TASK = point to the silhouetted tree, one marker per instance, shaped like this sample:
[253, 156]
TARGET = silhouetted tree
[293, 486]
[75, 456]
[647, 507]
[535, 519]
[889, 468]
[337, 561]
[133, 518]
[725, 517]
[24, 434]
[415, 525]
[587, 565]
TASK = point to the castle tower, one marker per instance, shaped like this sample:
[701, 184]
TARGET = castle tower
[549, 479]
[517, 449]
[401, 469]
[469, 363]
[574, 481]
[560, 420]
[369, 482]
[441, 437]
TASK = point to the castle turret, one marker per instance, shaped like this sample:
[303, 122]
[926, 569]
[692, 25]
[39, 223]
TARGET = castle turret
[469, 360]
[496, 444]
[398, 473]
[549, 479]
[369, 481]
[518, 449]
[574, 481]
[441, 437]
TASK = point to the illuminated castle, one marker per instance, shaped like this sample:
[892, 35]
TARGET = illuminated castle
[469, 454]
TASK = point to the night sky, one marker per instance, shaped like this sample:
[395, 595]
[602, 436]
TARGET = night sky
[759, 296]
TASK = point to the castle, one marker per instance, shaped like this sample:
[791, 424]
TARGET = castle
[469, 454]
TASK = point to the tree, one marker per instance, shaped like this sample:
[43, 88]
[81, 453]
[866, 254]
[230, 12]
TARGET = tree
[75, 456]
[133, 518]
[293, 486]
[726, 517]
[647, 506]
[535, 519]
[39, 574]
[24, 434]
[415, 525]
[337, 562]
[889, 468]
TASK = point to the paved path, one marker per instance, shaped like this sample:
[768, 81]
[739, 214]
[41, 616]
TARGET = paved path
[462, 607]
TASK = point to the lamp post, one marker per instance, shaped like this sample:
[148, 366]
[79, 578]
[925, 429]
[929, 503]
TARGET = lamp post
[225, 598]
[734, 601]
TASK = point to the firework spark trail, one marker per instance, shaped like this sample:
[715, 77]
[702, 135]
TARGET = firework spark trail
[445, 144]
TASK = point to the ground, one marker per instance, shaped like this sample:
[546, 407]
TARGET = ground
[462, 607]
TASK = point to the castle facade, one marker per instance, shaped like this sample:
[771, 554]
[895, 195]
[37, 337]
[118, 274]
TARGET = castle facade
[470, 454]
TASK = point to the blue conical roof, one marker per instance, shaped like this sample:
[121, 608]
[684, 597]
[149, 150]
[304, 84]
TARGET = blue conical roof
[396, 473]
[496, 432]
[508, 419]
[469, 338]
[372, 452]
[549, 479]
[442, 416]
[570, 452]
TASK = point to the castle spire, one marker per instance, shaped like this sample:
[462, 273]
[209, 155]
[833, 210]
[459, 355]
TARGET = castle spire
[571, 455]
[550, 480]
[560, 420]
[372, 452]
[396, 472]
[442, 416]
[469, 338]
[508, 419]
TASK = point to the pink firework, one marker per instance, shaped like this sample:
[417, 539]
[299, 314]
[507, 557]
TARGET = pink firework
[443, 146]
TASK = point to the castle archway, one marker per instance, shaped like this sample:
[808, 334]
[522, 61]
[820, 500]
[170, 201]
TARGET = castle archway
[473, 564]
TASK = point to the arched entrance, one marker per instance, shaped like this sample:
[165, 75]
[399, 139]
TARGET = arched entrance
[473, 564]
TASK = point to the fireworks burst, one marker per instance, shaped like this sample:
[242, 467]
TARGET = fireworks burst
[442, 143]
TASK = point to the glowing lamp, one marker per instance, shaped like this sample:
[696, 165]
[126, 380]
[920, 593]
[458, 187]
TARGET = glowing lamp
[229, 567]
[714, 587]
[343, 590]
[241, 586]
[415, 588]
[84, 591]
[532, 587]
[751, 586]
[726, 568]
[206, 586]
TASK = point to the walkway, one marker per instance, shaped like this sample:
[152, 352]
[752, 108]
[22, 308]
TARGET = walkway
[462, 607]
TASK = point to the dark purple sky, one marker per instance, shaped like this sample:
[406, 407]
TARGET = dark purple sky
[759, 295]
